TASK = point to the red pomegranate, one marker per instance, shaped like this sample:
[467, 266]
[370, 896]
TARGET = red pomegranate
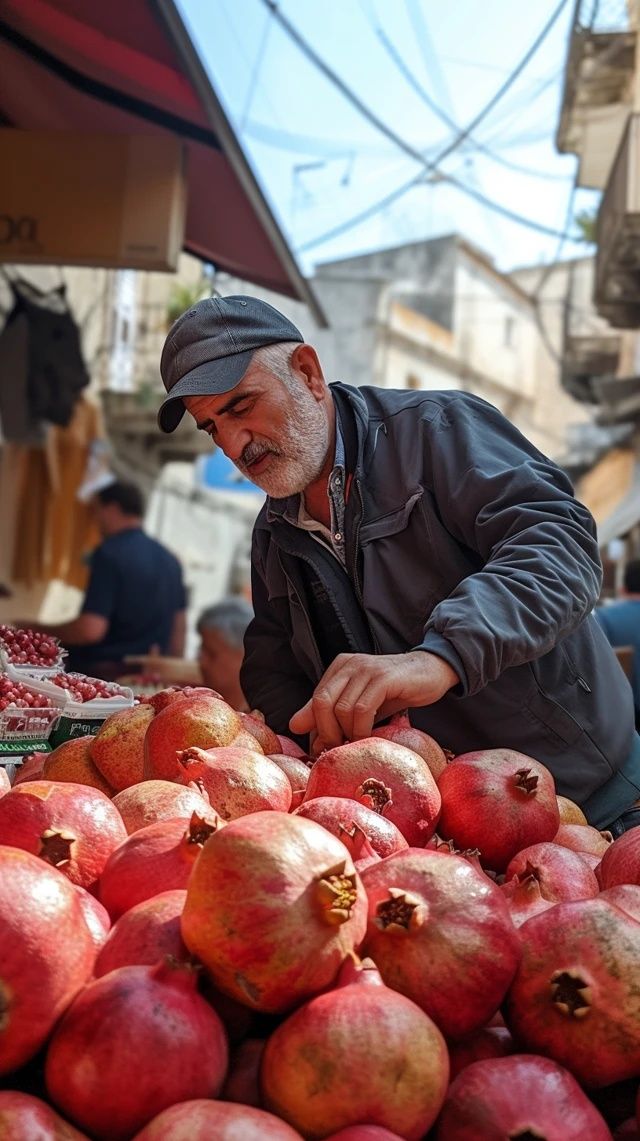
[297, 774]
[117, 749]
[490, 1042]
[621, 862]
[563, 875]
[522, 1096]
[154, 800]
[440, 933]
[499, 801]
[96, 917]
[73, 827]
[364, 1133]
[524, 898]
[27, 1118]
[273, 906]
[340, 815]
[46, 953]
[237, 781]
[157, 858]
[292, 749]
[30, 769]
[224, 1121]
[313, 1062]
[145, 934]
[148, 1018]
[400, 731]
[583, 838]
[243, 1079]
[575, 996]
[626, 896]
[197, 719]
[260, 731]
[388, 778]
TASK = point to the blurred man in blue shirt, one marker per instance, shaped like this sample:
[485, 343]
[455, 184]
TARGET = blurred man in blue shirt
[621, 623]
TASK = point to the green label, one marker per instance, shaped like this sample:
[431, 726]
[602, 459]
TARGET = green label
[19, 748]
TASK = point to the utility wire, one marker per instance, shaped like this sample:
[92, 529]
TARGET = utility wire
[431, 166]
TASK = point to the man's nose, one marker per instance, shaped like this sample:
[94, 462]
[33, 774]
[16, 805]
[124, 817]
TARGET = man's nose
[233, 439]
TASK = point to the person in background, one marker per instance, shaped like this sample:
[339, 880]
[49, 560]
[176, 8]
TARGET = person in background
[414, 551]
[621, 623]
[222, 628]
[135, 599]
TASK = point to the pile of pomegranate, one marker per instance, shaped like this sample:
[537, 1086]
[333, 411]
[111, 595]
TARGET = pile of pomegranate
[18, 695]
[82, 688]
[206, 934]
[28, 647]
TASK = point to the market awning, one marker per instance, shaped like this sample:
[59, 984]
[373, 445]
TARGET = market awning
[129, 66]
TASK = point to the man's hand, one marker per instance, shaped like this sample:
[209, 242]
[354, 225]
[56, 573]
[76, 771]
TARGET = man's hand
[359, 689]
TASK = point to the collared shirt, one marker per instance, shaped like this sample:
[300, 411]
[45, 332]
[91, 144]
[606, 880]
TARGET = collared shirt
[333, 539]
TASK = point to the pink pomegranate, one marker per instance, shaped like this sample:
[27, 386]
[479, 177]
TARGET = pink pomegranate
[157, 858]
[386, 777]
[30, 769]
[243, 1079]
[522, 1096]
[621, 862]
[27, 1118]
[145, 934]
[237, 781]
[490, 1042]
[524, 898]
[154, 800]
[440, 933]
[297, 774]
[292, 749]
[274, 904]
[5, 783]
[46, 953]
[340, 815]
[499, 801]
[583, 838]
[224, 1121]
[260, 731]
[562, 875]
[626, 896]
[73, 827]
[200, 720]
[313, 1061]
[117, 749]
[575, 996]
[401, 732]
[96, 917]
[151, 1018]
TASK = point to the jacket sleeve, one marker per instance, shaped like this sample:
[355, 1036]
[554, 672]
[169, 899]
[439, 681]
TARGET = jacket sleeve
[271, 679]
[500, 497]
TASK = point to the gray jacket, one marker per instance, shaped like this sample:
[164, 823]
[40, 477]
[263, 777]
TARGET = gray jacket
[464, 540]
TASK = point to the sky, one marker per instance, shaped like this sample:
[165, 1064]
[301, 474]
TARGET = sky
[423, 70]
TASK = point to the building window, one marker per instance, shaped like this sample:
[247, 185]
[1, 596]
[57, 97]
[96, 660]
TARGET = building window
[509, 329]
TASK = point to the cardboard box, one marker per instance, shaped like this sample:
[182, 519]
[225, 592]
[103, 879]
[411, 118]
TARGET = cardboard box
[98, 200]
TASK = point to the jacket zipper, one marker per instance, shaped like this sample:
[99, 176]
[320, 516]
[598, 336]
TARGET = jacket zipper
[356, 578]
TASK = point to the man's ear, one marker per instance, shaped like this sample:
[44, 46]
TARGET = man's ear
[305, 362]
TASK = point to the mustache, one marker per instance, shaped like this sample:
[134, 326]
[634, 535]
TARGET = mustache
[255, 451]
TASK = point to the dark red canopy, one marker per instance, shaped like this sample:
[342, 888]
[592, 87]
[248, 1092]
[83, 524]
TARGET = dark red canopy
[129, 66]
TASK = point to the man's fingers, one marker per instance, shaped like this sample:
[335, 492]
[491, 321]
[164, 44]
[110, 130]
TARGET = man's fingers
[303, 721]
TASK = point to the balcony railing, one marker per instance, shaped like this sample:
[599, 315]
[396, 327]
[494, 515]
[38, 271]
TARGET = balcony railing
[617, 287]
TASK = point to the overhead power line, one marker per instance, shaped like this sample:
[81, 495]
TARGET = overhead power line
[402, 144]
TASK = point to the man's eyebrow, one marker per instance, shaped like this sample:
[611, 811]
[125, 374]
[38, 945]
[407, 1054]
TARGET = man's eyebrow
[205, 425]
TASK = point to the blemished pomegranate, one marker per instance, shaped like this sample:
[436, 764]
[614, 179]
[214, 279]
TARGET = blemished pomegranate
[621, 862]
[490, 1042]
[274, 904]
[154, 800]
[237, 781]
[219, 1120]
[157, 858]
[27, 1118]
[46, 953]
[499, 801]
[260, 731]
[197, 719]
[575, 995]
[390, 779]
[563, 875]
[297, 773]
[73, 827]
[133, 1043]
[522, 1097]
[440, 933]
[313, 1061]
[117, 749]
[146, 933]
[400, 731]
[71, 761]
[340, 815]
[524, 898]
[626, 896]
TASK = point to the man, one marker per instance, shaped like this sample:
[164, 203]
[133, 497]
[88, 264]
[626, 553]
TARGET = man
[414, 551]
[621, 623]
[135, 599]
[222, 629]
